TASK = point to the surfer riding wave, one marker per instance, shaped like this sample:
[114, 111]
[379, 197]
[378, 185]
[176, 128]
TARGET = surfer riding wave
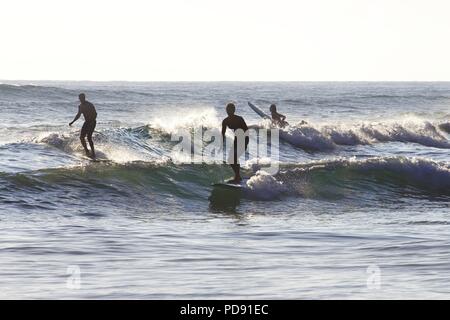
[90, 121]
[238, 125]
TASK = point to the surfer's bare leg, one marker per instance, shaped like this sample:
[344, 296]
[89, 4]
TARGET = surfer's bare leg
[237, 174]
[83, 143]
[91, 144]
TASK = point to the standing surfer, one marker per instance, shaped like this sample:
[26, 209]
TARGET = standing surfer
[90, 121]
[238, 125]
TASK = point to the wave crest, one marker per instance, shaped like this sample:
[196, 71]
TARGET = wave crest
[327, 137]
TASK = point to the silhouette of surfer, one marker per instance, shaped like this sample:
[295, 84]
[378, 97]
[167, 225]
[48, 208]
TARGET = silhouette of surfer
[235, 122]
[90, 121]
[277, 118]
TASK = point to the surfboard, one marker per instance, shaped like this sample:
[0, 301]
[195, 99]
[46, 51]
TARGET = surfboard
[236, 186]
[96, 159]
[101, 157]
[261, 113]
[100, 160]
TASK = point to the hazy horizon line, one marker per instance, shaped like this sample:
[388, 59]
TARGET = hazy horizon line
[187, 81]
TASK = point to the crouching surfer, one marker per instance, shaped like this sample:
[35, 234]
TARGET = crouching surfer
[279, 119]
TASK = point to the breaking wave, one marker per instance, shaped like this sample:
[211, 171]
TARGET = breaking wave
[341, 178]
[328, 137]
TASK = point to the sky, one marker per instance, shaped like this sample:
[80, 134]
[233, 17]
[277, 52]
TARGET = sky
[232, 40]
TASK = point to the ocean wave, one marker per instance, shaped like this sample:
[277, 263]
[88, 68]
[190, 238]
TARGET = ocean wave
[120, 145]
[408, 96]
[318, 136]
[146, 143]
[263, 186]
[5, 86]
[445, 126]
[106, 179]
[345, 135]
[340, 178]
[173, 123]
[327, 137]
[420, 132]
[308, 138]
[380, 174]
[31, 91]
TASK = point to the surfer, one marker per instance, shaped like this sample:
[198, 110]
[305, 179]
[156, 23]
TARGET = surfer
[90, 121]
[277, 118]
[235, 122]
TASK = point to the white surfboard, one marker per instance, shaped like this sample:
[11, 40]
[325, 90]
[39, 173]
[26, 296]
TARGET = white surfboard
[261, 113]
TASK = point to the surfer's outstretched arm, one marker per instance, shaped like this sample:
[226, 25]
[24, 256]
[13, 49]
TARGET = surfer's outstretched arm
[77, 116]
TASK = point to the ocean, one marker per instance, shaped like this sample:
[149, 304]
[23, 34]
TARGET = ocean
[358, 209]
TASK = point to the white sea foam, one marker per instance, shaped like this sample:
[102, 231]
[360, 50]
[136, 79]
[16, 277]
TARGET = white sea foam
[175, 122]
[264, 186]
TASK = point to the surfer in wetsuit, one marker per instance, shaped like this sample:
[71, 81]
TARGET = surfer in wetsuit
[235, 123]
[90, 121]
[277, 118]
